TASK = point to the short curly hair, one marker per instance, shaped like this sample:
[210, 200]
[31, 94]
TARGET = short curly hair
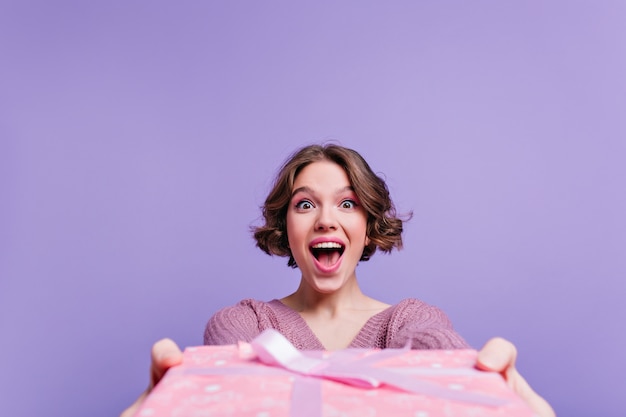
[384, 227]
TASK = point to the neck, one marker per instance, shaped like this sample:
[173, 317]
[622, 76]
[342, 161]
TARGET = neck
[307, 300]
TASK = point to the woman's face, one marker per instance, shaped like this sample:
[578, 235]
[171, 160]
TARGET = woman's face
[326, 226]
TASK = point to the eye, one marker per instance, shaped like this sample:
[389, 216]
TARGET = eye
[304, 205]
[348, 204]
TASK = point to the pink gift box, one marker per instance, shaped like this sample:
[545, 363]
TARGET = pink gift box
[230, 381]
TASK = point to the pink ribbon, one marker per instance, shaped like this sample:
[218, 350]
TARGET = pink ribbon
[352, 368]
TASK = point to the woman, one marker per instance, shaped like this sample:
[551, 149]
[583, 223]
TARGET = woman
[326, 212]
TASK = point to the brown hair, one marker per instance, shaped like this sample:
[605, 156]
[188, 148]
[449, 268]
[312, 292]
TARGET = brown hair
[384, 229]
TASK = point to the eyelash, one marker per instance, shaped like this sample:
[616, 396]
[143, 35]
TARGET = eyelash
[352, 203]
[348, 200]
[301, 202]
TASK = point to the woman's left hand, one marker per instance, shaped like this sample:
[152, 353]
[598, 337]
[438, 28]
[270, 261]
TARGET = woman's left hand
[499, 355]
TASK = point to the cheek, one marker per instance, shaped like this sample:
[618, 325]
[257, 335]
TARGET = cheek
[293, 229]
[289, 226]
[358, 228]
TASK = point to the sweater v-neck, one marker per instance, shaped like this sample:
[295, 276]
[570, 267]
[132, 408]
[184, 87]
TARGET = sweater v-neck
[359, 341]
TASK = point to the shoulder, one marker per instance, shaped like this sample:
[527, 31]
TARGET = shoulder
[410, 309]
[248, 309]
[424, 325]
[242, 321]
[246, 306]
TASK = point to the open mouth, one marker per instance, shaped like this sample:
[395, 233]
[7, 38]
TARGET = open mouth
[327, 253]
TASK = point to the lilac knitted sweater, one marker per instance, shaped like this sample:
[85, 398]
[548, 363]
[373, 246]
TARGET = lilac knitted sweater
[425, 326]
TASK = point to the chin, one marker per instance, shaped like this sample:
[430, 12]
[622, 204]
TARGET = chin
[328, 285]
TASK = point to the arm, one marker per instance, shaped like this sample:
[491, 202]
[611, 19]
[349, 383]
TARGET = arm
[499, 355]
[165, 354]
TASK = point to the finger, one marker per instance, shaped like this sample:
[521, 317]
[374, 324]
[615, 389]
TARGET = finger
[165, 354]
[497, 355]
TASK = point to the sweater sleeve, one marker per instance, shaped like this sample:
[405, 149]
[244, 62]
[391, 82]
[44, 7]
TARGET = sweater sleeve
[233, 324]
[424, 326]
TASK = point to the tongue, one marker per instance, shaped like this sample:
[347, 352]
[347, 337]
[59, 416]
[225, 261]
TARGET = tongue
[328, 258]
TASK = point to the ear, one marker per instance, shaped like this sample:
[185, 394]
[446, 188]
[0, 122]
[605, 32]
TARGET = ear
[367, 240]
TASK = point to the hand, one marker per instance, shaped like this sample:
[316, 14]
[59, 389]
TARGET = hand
[165, 354]
[499, 355]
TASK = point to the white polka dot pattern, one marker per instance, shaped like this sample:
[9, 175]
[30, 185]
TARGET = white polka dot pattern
[219, 381]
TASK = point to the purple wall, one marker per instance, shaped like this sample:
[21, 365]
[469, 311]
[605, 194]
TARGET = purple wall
[138, 139]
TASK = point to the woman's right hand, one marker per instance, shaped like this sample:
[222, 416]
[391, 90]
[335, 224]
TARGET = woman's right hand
[165, 354]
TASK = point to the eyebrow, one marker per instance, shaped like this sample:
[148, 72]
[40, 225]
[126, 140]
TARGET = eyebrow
[309, 190]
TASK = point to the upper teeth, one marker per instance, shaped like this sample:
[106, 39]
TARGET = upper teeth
[327, 245]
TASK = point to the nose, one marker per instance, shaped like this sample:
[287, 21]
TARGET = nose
[326, 219]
